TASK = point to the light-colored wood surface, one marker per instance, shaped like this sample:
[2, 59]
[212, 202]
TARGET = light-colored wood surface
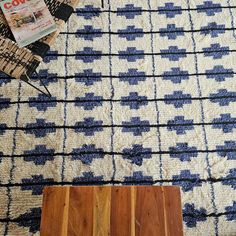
[101, 214]
[112, 211]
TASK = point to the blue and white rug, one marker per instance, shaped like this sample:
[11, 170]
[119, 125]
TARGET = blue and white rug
[144, 92]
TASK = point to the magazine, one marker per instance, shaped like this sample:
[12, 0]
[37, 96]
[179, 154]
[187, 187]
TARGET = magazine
[29, 20]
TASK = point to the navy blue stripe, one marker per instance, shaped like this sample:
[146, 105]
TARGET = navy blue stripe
[83, 11]
[148, 32]
[130, 76]
[65, 111]
[139, 54]
[95, 182]
[118, 100]
[117, 126]
[203, 120]
[9, 194]
[155, 94]
[226, 150]
[112, 95]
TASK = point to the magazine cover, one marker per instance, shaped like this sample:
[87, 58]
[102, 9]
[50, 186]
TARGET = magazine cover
[29, 20]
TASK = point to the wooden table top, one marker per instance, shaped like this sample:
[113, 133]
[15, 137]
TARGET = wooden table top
[115, 211]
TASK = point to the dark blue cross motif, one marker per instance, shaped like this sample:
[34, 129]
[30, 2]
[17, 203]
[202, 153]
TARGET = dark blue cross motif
[131, 33]
[30, 219]
[131, 54]
[183, 152]
[178, 99]
[88, 55]
[88, 12]
[227, 150]
[89, 126]
[173, 53]
[89, 102]
[129, 11]
[39, 155]
[4, 103]
[138, 178]
[219, 73]
[136, 126]
[42, 102]
[50, 56]
[3, 128]
[4, 79]
[231, 209]
[28, 184]
[230, 179]
[225, 122]
[89, 33]
[47, 76]
[40, 128]
[187, 180]
[134, 101]
[216, 51]
[133, 76]
[88, 77]
[209, 8]
[176, 75]
[87, 153]
[192, 215]
[180, 125]
[213, 29]
[171, 31]
[88, 177]
[223, 97]
[170, 10]
[137, 154]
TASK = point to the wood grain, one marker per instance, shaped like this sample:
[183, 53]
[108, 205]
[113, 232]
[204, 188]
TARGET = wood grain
[133, 209]
[80, 211]
[149, 212]
[55, 211]
[101, 214]
[173, 218]
[112, 211]
[120, 211]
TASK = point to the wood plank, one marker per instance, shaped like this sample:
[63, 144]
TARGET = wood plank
[173, 211]
[149, 212]
[101, 214]
[112, 211]
[80, 211]
[120, 211]
[133, 209]
[55, 211]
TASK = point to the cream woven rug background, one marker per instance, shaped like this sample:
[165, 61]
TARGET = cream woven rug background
[144, 92]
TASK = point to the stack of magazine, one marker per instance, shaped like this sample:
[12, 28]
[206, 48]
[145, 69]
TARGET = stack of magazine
[29, 20]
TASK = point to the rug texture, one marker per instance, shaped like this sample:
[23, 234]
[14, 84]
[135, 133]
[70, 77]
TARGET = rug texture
[144, 92]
